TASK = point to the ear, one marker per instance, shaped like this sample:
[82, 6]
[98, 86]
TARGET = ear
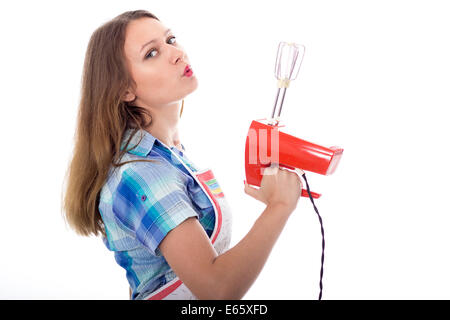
[129, 96]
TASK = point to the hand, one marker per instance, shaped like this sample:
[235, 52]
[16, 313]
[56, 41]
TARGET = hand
[278, 186]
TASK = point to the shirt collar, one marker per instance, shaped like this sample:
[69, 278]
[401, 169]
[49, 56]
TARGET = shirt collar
[144, 146]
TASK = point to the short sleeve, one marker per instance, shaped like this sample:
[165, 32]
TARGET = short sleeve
[150, 201]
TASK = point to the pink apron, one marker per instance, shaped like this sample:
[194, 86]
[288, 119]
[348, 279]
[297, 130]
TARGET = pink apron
[220, 237]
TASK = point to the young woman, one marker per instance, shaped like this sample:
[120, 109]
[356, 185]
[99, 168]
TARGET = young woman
[130, 181]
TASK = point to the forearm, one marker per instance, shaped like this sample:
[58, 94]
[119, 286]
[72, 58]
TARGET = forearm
[238, 268]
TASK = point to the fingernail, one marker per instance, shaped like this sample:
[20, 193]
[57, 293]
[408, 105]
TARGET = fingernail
[245, 183]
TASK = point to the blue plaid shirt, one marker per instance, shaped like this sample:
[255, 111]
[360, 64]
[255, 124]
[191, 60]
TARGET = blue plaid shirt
[142, 201]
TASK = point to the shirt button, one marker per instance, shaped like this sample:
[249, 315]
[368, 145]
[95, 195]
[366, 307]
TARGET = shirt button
[143, 198]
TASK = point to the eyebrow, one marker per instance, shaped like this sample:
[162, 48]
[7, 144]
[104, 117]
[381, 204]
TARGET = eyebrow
[147, 43]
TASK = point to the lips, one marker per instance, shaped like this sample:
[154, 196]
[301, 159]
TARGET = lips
[187, 69]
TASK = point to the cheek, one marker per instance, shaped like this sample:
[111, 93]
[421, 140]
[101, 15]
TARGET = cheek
[150, 79]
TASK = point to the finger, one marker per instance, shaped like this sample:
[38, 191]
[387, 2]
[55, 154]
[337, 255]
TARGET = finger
[300, 173]
[251, 191]
[283, 169]
[271, 170]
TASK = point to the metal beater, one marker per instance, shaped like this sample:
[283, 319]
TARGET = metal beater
[287, 67]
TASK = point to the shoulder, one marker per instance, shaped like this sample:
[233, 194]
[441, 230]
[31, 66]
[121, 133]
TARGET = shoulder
[143, 177]
[149, 200]
[139, 165]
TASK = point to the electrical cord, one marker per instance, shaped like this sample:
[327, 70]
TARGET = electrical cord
[323, 237]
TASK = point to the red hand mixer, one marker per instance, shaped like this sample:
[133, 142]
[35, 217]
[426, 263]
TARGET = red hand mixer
[267, 146]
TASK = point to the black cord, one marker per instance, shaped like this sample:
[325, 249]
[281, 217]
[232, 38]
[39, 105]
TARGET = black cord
[323, 237]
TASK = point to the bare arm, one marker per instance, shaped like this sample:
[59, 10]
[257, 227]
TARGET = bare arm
[191, 255]
[189, 251]
[240, 266]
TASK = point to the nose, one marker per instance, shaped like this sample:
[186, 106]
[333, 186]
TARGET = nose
[180, 59]
[179, 56]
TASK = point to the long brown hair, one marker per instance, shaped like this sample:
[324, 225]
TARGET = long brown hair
[102, 120]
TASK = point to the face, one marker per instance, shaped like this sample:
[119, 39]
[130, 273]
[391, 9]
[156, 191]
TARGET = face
[156, 67]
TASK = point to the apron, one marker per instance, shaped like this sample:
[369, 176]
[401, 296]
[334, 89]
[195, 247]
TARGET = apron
[220, 237]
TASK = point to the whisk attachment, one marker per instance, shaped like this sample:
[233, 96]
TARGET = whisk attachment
[289, 59]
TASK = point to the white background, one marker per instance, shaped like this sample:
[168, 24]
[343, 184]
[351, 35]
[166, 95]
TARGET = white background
[375, 81]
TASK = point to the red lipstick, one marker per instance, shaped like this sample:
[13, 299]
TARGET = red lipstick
[188, 71]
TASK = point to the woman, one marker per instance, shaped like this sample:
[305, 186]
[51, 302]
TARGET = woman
[167, 222]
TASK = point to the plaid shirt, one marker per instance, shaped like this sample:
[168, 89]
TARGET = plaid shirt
[142, 201]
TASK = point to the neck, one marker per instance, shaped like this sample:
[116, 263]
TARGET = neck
[164, 127]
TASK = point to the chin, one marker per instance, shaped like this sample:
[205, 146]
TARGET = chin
[193, 85]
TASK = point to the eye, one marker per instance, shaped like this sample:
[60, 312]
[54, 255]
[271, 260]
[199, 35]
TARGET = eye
[153, 49]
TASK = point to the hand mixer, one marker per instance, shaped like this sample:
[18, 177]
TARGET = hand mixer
[267, 146]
